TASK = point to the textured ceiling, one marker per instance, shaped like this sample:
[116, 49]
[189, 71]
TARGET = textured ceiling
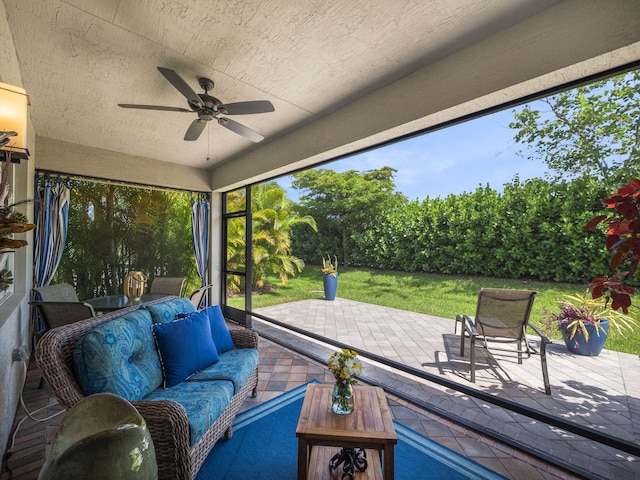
[80, 58]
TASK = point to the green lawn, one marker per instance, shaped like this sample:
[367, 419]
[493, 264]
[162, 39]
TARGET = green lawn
[439, 295]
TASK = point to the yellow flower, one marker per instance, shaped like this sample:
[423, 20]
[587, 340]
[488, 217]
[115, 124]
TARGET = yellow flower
[344, 366]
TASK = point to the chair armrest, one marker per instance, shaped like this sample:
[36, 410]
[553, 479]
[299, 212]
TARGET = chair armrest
[468, 325]
[43, 302]
[543, 337]
[90, 307]
[244, 338]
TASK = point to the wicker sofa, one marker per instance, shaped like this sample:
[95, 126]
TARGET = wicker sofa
[179, 453]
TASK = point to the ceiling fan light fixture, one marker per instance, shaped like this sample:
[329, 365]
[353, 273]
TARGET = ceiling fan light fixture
[206, 114]
[208, 107]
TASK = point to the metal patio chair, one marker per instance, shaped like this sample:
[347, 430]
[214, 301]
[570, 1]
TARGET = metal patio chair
[197, 296]
[54, 306]
[56, 314]
[167, 285]
[502, 316]
[58, 305]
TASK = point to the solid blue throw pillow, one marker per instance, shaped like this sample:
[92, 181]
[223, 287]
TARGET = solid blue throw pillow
[219, 329]
[185, 347]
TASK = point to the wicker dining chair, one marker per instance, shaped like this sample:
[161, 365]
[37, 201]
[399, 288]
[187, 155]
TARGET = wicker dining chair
[502, 316]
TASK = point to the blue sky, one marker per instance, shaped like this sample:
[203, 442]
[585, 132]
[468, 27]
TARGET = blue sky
[452, 160]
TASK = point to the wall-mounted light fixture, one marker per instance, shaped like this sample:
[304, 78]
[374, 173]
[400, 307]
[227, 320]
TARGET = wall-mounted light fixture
[13, 122]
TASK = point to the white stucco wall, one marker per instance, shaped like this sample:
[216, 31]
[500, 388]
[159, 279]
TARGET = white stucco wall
[65, 157]
[14, 311]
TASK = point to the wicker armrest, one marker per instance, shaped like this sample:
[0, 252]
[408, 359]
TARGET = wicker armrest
[54, 356]
[244, 338]
[169, 428]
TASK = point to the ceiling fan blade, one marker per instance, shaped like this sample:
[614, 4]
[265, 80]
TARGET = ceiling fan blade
[194, 130]
[246, 108]
[182, 86]
[240, 129]
[154, 107]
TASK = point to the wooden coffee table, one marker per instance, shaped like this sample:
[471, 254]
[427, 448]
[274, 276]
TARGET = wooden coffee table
[369, 426]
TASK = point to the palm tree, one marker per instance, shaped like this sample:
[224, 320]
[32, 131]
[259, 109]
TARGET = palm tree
[273, 220]
[236, 231]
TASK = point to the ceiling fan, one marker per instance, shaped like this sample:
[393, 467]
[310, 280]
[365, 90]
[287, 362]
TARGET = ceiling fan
[209, 108]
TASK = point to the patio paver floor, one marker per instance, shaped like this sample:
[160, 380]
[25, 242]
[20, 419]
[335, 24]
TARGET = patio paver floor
[598, 392]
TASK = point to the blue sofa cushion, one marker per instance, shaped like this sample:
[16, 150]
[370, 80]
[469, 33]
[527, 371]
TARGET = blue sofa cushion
[119, 356]
[203, 402]
[168, 311]
[235, 365]
[219, 330]
[185, 347]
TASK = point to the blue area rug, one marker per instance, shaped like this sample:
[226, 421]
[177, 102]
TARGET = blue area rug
[264, 447]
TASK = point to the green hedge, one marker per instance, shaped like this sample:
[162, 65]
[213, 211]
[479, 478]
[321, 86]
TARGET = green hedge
[533, 229]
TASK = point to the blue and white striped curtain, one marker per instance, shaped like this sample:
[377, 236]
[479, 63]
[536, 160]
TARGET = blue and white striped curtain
[52, 224]
[200, 207]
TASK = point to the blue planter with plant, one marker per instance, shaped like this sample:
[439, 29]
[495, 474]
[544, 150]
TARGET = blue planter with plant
[330, 277]
[584, 323]
[330, 286]
[590, 344]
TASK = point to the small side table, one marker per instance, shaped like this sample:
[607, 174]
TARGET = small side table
[369, 426]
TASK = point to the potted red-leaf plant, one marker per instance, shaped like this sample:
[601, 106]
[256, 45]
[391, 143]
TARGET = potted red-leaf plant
[584, 321]
[623, 241]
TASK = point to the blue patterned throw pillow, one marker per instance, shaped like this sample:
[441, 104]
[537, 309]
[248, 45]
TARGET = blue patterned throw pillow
[185, 347]
[170, 310]
[119, 356]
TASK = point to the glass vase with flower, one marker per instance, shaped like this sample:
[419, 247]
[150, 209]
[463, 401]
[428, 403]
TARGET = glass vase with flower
[344, 366]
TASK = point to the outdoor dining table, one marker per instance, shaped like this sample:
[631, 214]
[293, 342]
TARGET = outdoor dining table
[110, 303]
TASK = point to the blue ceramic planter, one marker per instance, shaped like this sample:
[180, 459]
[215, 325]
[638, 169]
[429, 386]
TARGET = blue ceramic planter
[330, 286]
[580, 346]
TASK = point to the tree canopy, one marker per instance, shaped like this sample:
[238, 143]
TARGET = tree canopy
[347, 202]
[592, 130]
[117, 229]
